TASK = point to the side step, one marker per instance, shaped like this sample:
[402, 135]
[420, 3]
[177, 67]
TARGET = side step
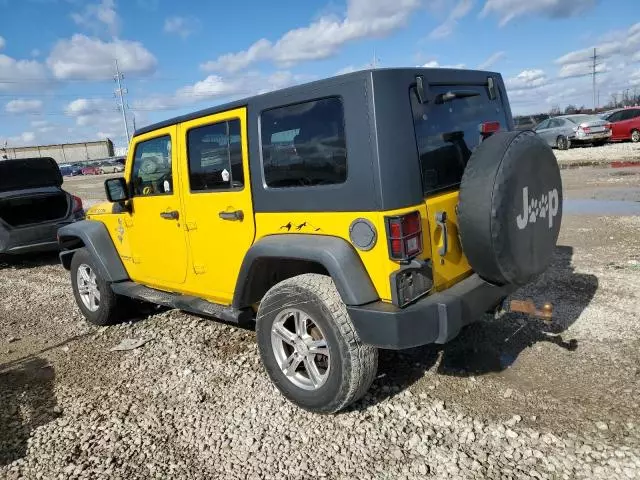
[182, 302]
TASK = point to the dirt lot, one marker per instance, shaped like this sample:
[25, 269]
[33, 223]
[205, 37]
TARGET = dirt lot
[509, 398]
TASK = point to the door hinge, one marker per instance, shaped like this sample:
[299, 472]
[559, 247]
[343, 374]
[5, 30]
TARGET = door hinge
[191, 226]
[199, 269]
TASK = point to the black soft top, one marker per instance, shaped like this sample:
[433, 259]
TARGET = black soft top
[24, 173]
[433, 75]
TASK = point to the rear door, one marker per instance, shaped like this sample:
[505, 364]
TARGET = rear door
[218, 204]
[447, 131]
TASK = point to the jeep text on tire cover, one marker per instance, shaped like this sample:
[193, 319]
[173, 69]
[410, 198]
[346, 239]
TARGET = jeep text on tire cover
[382, 208]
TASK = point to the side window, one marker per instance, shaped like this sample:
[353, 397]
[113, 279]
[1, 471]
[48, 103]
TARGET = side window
[542, 125]
[215, 157]
[628, 114]
[151, 174]
[304, 144]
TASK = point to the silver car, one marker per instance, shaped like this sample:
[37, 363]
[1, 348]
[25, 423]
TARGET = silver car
[566, 130]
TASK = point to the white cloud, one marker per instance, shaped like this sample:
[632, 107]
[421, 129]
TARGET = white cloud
[323, 37]
[23, 140]
[581, 69]
[3, 43]
[23, 106]
[35, 52]
[526, 80]
[435, 64]
[182, 26]
[20, 74]
[491, 61]
[507, 10]
[103, 135]
[84, 58]
[215, 87]
[624, 44]
[95, 17]
[445, 29]
[39, 123]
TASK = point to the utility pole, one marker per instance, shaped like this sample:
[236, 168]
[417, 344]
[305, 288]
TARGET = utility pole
[595, 104]
[120, 92]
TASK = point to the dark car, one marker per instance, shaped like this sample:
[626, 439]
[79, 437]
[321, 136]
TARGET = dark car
[33, 205]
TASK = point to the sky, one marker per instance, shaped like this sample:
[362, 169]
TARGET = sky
[57, 57]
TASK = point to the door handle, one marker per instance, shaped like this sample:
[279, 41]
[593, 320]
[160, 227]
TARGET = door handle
[238, 215]
[441, 221]
[172, 215]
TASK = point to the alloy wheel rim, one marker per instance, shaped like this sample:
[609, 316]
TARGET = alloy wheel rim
[88, 287]
[301, 349]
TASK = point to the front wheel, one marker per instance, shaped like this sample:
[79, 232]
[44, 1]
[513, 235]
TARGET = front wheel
[635, 136]
[97, 302]
[309, 347]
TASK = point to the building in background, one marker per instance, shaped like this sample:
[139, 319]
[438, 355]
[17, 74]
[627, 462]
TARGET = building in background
[62, 153]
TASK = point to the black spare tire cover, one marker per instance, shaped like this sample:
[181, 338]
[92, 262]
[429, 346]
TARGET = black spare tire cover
[510, 208]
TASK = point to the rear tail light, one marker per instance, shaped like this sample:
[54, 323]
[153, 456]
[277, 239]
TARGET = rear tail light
[405, 236]
[487, 129]
[607, 126]
[76, 205]
[586, 129]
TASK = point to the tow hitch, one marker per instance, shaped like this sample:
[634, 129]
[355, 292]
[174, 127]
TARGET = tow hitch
[528, 308]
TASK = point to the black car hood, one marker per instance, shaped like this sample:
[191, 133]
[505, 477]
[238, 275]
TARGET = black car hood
[27, 173]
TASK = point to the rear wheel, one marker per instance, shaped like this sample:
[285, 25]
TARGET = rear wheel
[309, 346]
[563, 143]
[635, 136]
[94, 296]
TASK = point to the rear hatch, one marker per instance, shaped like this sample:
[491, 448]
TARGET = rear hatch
[449, 125]
[30, 192]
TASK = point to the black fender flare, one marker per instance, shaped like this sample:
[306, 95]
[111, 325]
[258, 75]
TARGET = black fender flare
[95, 238]
[336, 255]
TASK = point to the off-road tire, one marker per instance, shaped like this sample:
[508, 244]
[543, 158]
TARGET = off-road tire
[353, 365]
[635, 136]
[563, 143]
[112, 308]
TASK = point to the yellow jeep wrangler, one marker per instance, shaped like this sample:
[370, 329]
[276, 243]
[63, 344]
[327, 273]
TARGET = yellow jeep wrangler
[379, 209]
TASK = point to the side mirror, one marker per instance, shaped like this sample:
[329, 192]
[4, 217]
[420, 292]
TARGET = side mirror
[116, 189]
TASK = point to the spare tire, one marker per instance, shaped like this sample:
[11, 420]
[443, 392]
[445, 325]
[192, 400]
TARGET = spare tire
[510, 208]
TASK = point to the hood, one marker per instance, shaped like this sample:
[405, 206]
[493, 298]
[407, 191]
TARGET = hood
[27, 173]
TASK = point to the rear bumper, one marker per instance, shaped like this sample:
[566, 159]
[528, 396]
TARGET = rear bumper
[593, 137]
[437, 318]
[35, 238]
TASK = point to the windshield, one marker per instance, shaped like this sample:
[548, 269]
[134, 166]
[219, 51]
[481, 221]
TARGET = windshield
[447, 133]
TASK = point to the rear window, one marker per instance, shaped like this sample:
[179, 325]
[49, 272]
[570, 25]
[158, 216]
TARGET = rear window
[448, 132]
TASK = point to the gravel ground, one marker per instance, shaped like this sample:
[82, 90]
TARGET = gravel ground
[611, 152]
[509, 398]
